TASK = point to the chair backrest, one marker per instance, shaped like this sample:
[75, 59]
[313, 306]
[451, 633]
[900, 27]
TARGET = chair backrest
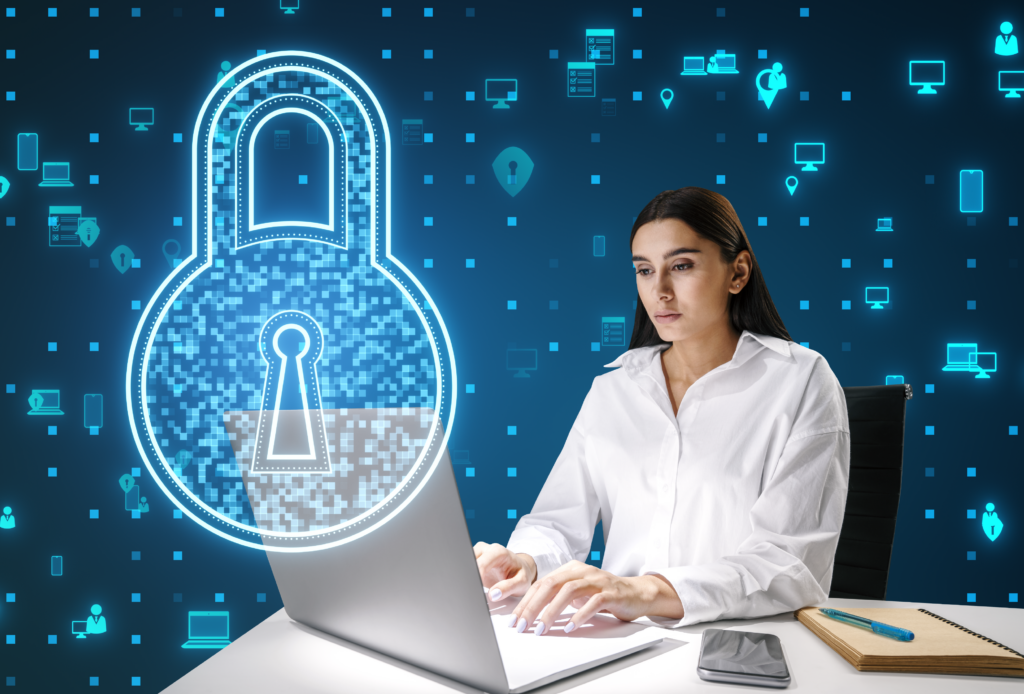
[877, 416]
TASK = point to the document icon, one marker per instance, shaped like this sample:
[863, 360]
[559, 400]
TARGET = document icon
[601, 46]
[582, 79]
[613, 332]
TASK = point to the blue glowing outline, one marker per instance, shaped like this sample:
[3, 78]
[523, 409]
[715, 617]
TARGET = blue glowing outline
[208, 263]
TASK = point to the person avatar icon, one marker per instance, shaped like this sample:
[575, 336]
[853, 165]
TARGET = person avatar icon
[712, 64]
[225, 68]
[143, 505]
[776, 81]
[7, 519]
[990, 522]
[96, 624]
[1006, 42]
[777, 78]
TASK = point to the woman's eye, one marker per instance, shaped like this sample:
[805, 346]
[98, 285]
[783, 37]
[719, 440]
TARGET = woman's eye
[643, 271]
[682, 265]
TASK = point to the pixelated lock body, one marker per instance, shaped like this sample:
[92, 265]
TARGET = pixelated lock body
[302, 370]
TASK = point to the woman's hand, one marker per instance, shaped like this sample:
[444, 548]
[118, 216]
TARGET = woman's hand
[503, 572]
[592, 590]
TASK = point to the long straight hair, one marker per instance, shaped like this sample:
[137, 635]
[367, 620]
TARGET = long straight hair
[713, 218]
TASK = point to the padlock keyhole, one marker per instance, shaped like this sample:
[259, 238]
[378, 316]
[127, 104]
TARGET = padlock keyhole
[512, 166]
[122, 260]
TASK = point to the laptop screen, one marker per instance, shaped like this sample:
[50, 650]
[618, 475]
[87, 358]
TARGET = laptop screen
[960, 353]
[693, 63]
[212, 625]
[57, 172]
[51, 398]
[726, 61]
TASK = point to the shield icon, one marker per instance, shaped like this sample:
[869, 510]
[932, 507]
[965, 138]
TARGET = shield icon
[4, 185]
[122, 257]
[513, 168]
[88, 230]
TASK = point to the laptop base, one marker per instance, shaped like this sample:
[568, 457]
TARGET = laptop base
[56, 183]
[205, 643]
[53, 411]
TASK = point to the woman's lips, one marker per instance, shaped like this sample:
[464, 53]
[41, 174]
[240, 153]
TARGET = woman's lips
[667, 318]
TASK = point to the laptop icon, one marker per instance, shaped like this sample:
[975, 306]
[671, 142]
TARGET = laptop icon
[45, 402]
[727, 63]
[56, 173]
[693, 65]
[961, 356]
[207, 630]
[884, 224]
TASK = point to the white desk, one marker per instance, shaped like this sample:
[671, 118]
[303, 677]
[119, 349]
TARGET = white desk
[280, 655]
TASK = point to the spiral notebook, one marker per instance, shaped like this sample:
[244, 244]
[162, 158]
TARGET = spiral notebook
[939, 646]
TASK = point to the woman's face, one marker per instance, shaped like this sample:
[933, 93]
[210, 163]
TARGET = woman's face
[681, 279]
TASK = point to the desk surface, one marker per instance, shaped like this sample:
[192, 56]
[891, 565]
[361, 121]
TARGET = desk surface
[280, 655]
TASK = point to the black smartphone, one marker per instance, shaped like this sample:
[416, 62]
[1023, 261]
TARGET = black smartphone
[742, 657]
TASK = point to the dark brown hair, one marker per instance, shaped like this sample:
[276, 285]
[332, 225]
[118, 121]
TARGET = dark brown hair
[713, 218]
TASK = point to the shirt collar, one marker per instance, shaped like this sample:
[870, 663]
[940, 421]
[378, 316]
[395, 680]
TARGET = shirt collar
[747, 346]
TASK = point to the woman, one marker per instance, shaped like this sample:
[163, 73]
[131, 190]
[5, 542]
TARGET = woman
[717, 455]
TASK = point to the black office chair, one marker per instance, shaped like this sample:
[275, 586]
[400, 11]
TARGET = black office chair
[877, 415]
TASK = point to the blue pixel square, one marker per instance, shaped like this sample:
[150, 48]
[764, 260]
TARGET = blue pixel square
[94, 431]
[553, 54]
[972, 597]
[10, 11]
[720, 12]
[972, 513]
[219, 262]
[553, 305]
[136, 262]
[929, 472]
[720, 178]
[470, 387]
[94, 513]
[638, 12]
[972, 472]
[176, 597]
[805, 221]
[428, 11]
[94, 681]
[929, 431]
[762, 137]
[470, 179]
[929, 513]
[136, 556]
[136, 305]
[637, 54]
[1013, 597]
[972, 305]
[972, 262]
[638, 96]
[511, 221]
[94, 54]
[10, 96]
[805, 11]
[762, 221]
[470, 513]
[51, 430]
[94, 137]
[929, 179]
[385, 54]
[720, 96]
[428, 262]
[1013, 221]
[136, 639]
[51, 472]
[511, 429]
[595, 137]
[217, 12]
[50, 12]
[511, 472]
[177, 513]
[1013, 430]
[51, 346]
[972, 556]
[847, 346]
[10, 221]
[11, 597]
[470, 96]
[303, 179]
[261, 597]
[137, 681]
[428, 96]
[136, 597]
[470, 262]
[846, 96]
[428, 53]
[805, 305]
[552, 346]
[762, 54]
[177, 221]
[846, 305]
[10, 387]
[720, 137]
[177, 137]
[511, 513]
[94, 179]
[136, 515]
[929, 387]
[471, 472]
[51, 639]
[10, 681]
[136, 11]
[805, 96]
[428, 221]
[177, 556]
[886, 262]
[595, 346]
[218, 597]
[94, 346]
[11, 639]
[595, 179]
[511, 304]
[595, 555]
[385, 12]
[972, 221]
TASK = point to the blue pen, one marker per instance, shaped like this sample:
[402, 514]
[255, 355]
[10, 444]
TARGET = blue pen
[877, 627]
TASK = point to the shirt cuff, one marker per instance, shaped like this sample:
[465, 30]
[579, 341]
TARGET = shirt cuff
[692, 585]
[544, 555]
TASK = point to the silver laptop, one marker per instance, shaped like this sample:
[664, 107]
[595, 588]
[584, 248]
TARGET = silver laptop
[360, 592]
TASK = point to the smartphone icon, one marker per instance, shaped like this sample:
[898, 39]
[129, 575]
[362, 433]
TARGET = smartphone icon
[28, 151]
[93, 410]
[598, 246]
[56, 566]
[131, 499]
[972, 190]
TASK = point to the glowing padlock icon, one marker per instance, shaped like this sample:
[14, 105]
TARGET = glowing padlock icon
[288, 351]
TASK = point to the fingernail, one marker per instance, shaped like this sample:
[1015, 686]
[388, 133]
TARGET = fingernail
[540, 628]
[569, 627]
[521, 625]
[512, 622]
[496, 594]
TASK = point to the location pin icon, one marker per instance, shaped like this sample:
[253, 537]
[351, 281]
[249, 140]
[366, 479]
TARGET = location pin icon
[792, 183]
[667, 99]
[171, 257]
[126, 482]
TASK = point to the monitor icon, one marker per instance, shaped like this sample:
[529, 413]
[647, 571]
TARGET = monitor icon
[45, 402]
[521, 360]
[78, 628]
[876, 296]
[141, 117]
[1011, 81]
[56, 173]
[693, 65]
[289, 6]
[884, 224]
[925, 73]
[960, 356]
[207, 630]
[809, 153]
[501, 91]
[984, 362]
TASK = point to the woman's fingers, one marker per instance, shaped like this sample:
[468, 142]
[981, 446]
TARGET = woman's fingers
[568, 592]
[514, 585]
[597, 602]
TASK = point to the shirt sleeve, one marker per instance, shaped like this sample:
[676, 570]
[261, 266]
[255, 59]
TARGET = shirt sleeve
[560, 527]
[786, 562]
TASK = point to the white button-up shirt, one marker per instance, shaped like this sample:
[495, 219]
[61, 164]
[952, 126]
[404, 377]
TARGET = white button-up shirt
[737, 500]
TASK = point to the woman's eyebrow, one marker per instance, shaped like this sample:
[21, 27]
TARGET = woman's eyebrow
[668, 255]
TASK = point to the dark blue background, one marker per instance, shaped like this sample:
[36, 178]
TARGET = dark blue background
[880, 145]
